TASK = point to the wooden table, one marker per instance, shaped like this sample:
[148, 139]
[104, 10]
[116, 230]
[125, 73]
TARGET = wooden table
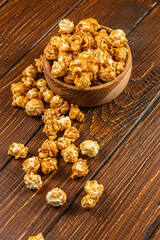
[127, 129]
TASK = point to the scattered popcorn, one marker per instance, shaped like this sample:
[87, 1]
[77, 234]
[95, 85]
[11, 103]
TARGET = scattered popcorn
[57, 102]
[56, 197]
[31, 164]
[64, 122]
[37, 237]
[39, 64]
[75, 113]
[71, 133]
[80, 168]
[19, 100]
[117, 38]
[46, 94]
[66, 26]
[51, 128]
[28, 82]
[18, 87]
[34, 93]
[18, 150]
[48, 165]
[51, 52]
[30, 71]
[63, 142]
[41, 83]
[88, 25]
[34, 107]
[70, 153]
[48, 149]
[49, 114]
[89, 148]
[89, 201]
[33, 181]
[92, 187]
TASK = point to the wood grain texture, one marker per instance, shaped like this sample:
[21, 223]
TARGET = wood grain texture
[37, 18]
[129, 204]
[25, 212]
[12, 123]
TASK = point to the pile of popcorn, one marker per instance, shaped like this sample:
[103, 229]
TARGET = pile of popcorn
[86, 55]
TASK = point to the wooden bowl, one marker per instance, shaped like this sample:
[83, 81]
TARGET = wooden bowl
[92, 96]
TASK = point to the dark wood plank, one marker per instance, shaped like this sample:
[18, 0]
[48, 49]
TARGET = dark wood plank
[24, 23]
[12, 124]
[2, 2]
[117, 118]
[129, 205]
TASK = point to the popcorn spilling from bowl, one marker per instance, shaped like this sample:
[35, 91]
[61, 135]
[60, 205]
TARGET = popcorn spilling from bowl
[86, 55]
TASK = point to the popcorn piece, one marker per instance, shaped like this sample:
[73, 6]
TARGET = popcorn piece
[88, 55]
[79, 168]
[75, 42]
[102, 39]
[76, 54]
[65, 57]
[34, 107]
[100, 57]
[119, 67]
[93, 68]
[83, 80]
[58, 103]
[18, 150]
[28, 81]
[66, 26]
[88, 25]
[107, 74]
[64, 44]
[55, 41]
[78, 65]
[48, 165]
[50, 113]
[30, 71]
[92, 187]
[71, 133]
[48, 149]
[89, 201]
[64, 122]
[33, 181]
[41, 83]
[51, 128]
[63, 142]
[39, 64]
[75, 113]
[88, 42]
[31, 165]
[70, 153]
[18, 87]
[56, 197]
[34, 93]
[19, 101]
[120, 53]
[46, 94]
[37, 237]
[70, 78]
[51, 52]
[89, 148]
[58, 69]
[117, 38]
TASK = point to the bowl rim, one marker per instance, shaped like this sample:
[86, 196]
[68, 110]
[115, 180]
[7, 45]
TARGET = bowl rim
[47, 67]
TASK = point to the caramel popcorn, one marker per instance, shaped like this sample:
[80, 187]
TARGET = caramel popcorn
[88, 41]
[117, 38]
[33, 181]
[75, 42]
[89, 201]
[64, 44]
[88, 25]
[56, 197]
[58, 103]
[30, 71]
[92, 187]
[18, 150]
[31, 165]
[102, 40]
[65, 57]
[49, 114]
[34, 107]
[63, 142]
[34, 93]
[88, 55]
[66, 26]
[78, 65]
[75, 113]
[119, 67]
[39, 236]
[19, 100]
[70, 153]
[51, 52]
[70, 78]
[107, 74]
[89, 148]
[80, 168]
[83, 80]
[18, 87]
[51, 128]
[46, 94]
[39, 64]
[48, 165]
[28, 82]
[100, 57]
[120, 53]
[71, 133]
[64, 122]
[48, 149]
[58, 69]
[41, 83]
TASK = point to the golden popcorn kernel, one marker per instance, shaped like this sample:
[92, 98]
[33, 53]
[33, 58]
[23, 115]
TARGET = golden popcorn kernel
[33, 181]
[70, 153]
[31, 164]
[79, 168]
[56, 197]
[71, 133]
[18, 150]
[48, 165]
[89, 148]
[30, 71]
[48, 149]
[34, 107]
[92, 187]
